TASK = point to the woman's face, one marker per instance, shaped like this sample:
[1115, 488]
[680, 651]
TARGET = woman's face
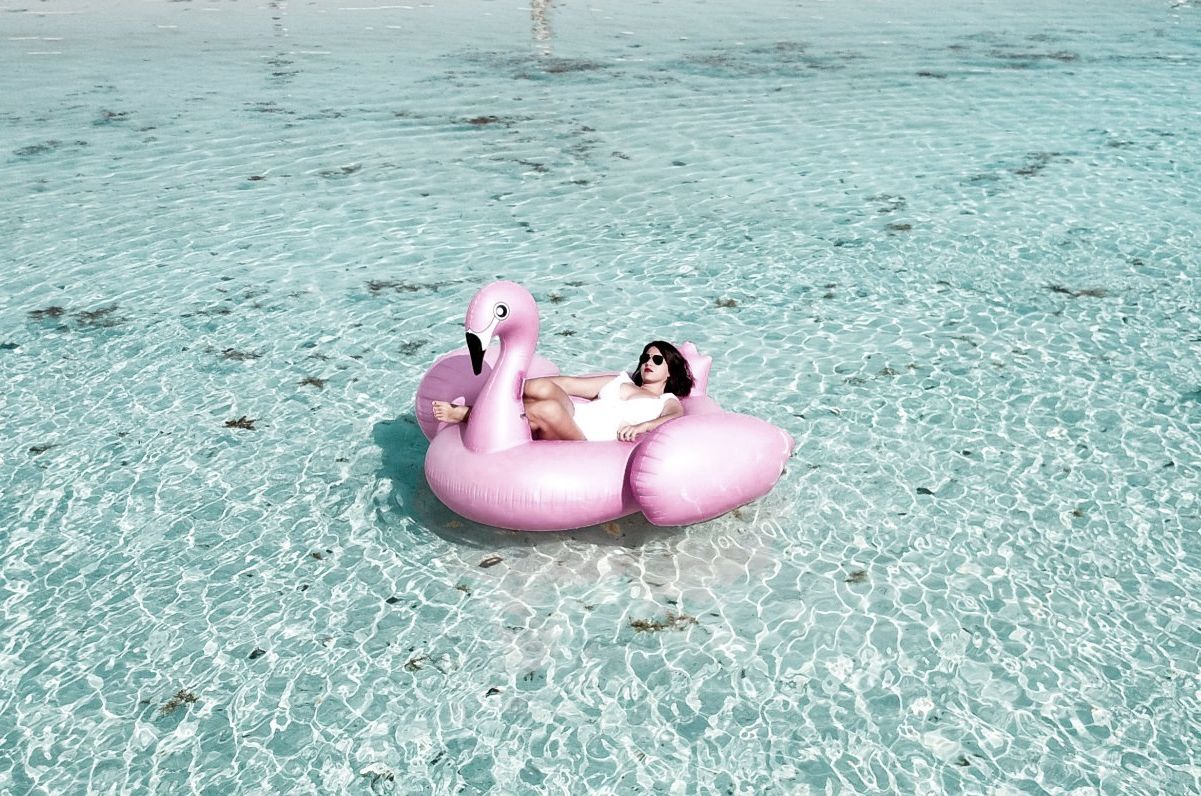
[653, 366]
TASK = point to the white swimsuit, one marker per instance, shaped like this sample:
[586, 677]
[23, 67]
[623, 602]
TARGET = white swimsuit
[599, 419]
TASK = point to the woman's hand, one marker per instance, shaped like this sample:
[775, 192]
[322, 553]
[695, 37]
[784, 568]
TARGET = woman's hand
[628, 433]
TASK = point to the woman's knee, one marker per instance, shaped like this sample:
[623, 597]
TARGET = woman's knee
[545, 411]
[539, 388]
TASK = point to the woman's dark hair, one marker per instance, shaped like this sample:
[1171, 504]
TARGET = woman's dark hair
[679, 375]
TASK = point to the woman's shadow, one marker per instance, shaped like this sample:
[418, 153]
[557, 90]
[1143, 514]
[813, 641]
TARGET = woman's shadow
[402, 461]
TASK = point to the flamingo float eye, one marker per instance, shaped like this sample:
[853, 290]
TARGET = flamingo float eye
[502, 311]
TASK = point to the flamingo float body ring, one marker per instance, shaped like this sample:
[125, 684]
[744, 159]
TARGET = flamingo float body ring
[489, 468]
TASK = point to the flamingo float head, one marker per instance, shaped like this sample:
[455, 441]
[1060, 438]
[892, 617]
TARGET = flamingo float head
[501, 309]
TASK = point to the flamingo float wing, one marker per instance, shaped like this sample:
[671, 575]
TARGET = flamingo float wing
[698, 467]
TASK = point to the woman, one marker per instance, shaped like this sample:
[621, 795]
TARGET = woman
[622, 406]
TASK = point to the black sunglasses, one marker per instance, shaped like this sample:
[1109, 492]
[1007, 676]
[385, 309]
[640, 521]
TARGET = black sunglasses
[656, 358]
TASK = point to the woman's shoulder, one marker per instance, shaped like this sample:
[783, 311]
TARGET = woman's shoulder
[614, 387]
[622, 379]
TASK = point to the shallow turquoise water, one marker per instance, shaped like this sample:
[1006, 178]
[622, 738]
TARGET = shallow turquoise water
[952, 250]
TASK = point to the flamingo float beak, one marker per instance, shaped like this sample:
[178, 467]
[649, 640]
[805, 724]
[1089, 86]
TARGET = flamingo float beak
[477, 343]
[475, 347]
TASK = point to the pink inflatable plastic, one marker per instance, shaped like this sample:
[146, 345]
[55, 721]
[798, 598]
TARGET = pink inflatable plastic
[490, 470]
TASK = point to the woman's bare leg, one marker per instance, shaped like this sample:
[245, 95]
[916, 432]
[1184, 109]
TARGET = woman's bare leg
[547, 388]
[551, 420]
[548, 408]
[450, 413]
[457, 413]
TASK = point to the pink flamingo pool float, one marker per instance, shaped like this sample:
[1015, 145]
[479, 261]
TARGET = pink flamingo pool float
[489, 468]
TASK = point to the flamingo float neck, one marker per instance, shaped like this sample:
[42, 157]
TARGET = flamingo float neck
[497, 417]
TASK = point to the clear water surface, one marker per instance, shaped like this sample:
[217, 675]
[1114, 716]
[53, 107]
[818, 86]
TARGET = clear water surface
[951, 247]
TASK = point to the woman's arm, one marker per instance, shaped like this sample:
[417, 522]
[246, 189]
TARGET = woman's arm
[671, 410]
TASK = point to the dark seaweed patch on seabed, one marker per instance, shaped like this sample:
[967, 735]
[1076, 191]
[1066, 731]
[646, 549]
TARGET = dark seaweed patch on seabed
[1032, 165]
[1061, 56]
[537, 168]
[235, 355]
[673, 621]
[49, 313]
[182, 697]
[219, 309]
[798, 54]
[378, 286]
[529, 67]
[267, 106]
[492, 120]
[46, 147]
[1036, 162]
[887, 203]
[1012, 56]
[110, 117]
[562, 66]
[1090, 292]
[102, 318]
[340, 172]
[781, 59]
[721, 64]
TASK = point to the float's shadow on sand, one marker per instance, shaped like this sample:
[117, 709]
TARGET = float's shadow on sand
[403, 447]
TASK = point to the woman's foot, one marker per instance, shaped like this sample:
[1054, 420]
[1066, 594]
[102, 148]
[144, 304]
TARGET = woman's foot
[450, 413]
